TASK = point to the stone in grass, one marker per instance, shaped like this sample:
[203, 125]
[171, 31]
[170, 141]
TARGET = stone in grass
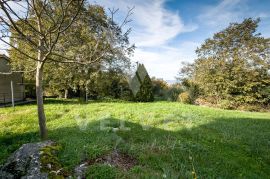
[25, 162]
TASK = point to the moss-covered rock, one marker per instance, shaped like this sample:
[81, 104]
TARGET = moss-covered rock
[50, 163]
[25, 162]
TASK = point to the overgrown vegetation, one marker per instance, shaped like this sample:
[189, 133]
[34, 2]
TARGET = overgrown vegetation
[167, 138]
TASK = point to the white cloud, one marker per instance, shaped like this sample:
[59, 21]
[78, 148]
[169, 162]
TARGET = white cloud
[225, 12]
[165, 62]
[156, 25]
[153, 27]
[228, 11]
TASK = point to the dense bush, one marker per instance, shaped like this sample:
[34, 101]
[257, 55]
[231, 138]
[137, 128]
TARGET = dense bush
[185, 98]
[227, 104]
[253, 107]
[190, 92]
[192, 88]
[173, 92]
[160, 88]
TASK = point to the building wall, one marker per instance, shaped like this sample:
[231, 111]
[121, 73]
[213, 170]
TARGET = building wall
[5, 84]
[4, 65]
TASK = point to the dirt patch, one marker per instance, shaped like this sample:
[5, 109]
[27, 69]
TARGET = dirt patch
[115, 158]
[118, 159]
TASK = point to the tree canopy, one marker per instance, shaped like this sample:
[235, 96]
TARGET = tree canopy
[233, 65]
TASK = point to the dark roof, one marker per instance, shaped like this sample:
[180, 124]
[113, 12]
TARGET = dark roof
[3, 56]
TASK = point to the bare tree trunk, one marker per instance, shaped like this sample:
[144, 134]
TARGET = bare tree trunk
[40, 106]
[66, 94]
[86, 94]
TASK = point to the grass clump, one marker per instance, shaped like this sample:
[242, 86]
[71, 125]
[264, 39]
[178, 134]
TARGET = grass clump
[101, 171]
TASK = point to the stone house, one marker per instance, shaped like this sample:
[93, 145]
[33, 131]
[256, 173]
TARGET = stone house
[5, 82]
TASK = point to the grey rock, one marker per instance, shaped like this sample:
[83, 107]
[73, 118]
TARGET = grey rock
[80, 170]
[25, 162]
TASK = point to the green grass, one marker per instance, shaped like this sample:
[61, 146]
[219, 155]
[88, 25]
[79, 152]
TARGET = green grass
[168, 139]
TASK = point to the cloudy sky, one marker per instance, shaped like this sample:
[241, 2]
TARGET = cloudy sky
[167, 32]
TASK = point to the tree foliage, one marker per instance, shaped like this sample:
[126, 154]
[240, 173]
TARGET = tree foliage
[160, 88]
[88, 36]
[233, 65]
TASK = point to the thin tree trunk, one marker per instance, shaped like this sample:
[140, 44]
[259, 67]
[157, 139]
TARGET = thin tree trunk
[39, 94]
[86, 94]
[66, 94]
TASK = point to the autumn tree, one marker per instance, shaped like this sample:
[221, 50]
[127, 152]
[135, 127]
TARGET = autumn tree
[234, 65]
[81, 38]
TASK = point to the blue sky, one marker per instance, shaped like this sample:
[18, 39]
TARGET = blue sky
[167, 32]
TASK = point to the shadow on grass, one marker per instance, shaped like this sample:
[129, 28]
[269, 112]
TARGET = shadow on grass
[78, 101]
[224, 148]
[62, 101]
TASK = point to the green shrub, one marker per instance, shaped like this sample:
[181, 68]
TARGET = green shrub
[185, 98]
[249, 107]
[192, 88]
[194, 92]
[227, 104]
[173, 92]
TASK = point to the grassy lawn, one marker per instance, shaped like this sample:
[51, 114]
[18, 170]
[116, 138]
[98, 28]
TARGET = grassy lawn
[167, 139]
